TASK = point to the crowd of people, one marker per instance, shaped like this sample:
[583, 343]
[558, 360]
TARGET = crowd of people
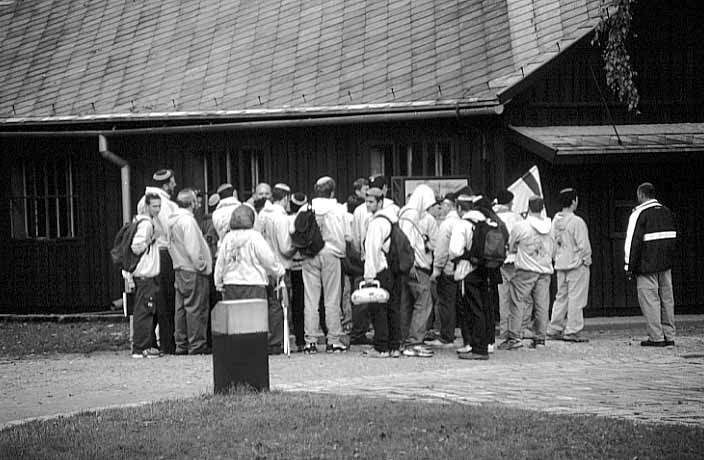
[196, 253]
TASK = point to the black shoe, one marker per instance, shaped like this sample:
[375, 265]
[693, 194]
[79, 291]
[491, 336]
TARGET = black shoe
[669, 343]
[276, 351]
[472, 355]
[300, 348]
[181, 352]
[651, 343]
[310, 349]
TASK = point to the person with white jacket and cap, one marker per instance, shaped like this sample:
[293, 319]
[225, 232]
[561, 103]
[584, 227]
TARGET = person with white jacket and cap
[532, 243]
[416, 301]
[324, 270]
[221, 216]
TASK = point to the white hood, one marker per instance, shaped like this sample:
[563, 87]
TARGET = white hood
[541, 226]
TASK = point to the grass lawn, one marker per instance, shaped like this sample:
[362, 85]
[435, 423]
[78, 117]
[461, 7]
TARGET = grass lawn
[32, 339]
[290, 425]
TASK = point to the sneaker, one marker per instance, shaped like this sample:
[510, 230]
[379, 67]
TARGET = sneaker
[149, 353]
[335, 348]
[310, 349]
[554, 336]
[418, 351]
[373, 353]
[511, 344]
[395, 353]
[652, 343]
[490, 348]
[576, 338]
[473, 356]
[137, 355]
[464, 349]
[437, 343]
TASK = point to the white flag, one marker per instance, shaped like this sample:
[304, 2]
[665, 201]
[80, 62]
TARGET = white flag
[527, 186]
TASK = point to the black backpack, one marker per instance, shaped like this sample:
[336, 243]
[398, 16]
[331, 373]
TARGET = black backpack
[489, 243]
[401, 256]
[121, 252]
[306, 236]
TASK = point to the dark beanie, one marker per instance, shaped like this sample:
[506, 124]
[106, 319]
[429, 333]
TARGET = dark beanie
[504, 197]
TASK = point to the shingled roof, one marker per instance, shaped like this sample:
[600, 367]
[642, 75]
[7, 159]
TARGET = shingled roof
[131, 59]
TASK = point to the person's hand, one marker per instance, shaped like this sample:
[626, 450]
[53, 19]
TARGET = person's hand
[413, 274]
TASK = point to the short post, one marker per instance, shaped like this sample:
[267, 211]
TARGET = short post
[240, 344]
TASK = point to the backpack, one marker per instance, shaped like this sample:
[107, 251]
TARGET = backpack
[401, 256]
[488, 244]
[306, 236]
[121, 252]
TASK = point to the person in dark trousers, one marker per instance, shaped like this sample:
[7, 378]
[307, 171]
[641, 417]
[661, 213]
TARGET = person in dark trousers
[649, 251]
[163, 185]
[298, 200]
[145, 278]
[386, 317]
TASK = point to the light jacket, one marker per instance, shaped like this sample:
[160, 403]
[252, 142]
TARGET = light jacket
[461, 237]
[149, 264]
[377, 242]
[571, 238]
[222, 214]
[274, 227]
[442, 262]
[330, 216]
[161, 223]
[245, 258]
[650, 239]
[410, 216]
[509, 218]
[530, 240]
[189, 250]
[360, 222]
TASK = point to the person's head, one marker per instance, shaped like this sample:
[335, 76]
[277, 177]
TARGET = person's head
[505, 198]
[242, 217]
[263, 190]
[380, 183]
[186, 199]
[280, 194]
[482, 203]
[535, 205]
[226, 191]
[298, 200]
[153, 202]
[213, 201]
[360, 187]
[324, 187]
[568, 199]
[448, 203]
[436, 209]
[165, 180]
[645, 192]
[464, 202]
[374, 199]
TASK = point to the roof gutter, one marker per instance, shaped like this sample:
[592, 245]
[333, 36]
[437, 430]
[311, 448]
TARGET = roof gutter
[456, 112]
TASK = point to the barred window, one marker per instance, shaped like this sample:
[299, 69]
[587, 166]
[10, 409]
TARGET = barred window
[42, 202]
[412, 159]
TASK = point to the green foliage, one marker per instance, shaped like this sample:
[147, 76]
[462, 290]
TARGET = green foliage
[611, 33]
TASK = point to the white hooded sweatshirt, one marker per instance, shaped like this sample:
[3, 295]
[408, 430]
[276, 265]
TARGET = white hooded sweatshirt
[245, 258]
[161, 223]
[461, 240]
[377, 242]
[532, 243]
[331, 219]
[360, 222]
[410, 217]
[222, 215]
[273, 223]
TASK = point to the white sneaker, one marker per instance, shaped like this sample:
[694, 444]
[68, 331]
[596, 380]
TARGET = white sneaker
[464, 349]
[490, 348]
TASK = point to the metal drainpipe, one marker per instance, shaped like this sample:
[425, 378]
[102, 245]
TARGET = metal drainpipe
[124, 173]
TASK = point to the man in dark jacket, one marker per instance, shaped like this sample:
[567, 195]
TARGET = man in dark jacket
[649, 249]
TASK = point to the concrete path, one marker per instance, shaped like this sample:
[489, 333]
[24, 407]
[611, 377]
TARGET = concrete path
[611, 375]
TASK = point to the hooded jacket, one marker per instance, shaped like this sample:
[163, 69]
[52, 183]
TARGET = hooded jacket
[410, 217]
[442, 262]
[571, 238]
[331, 219]
[161, 223]
[377, 242]
[461, 237]
[222, 214]
[509, 218]
[188, 249]
[650, 239]
[143, 243]
[532, 243]
[360, 222]
[274, 227]
[245, 258]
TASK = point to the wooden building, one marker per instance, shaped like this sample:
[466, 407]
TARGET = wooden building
[95, 97]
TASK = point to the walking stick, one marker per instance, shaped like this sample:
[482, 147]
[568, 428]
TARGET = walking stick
[283, 298]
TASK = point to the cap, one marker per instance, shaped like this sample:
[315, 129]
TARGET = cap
[378, 182]
[213, 200]
[299, 198]
[163, 175]
[224, 187]
[284, 187]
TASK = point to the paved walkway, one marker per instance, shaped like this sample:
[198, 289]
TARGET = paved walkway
[611, 375]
